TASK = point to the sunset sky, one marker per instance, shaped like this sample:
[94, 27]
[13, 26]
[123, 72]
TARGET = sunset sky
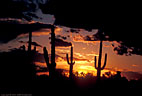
[70, 47]
[84, 51]
[76, 27]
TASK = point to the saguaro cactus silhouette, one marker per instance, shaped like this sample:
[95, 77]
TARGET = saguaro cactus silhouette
[51, 66]
[71, 63]
[99, 67]
[30, 41]
[53, 46]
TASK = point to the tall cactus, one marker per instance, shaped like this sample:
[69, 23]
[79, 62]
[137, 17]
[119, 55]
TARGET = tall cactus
[30, 41]
[53, 45]
[99, 67]
[71, 63]
[51, 66]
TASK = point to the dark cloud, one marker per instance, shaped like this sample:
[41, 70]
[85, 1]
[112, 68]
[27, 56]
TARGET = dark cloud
[61, 43]
[118, 20]
[95, 37]
[106, 15]
[32, 43]
[11, 29]
[76, 13]
[129, 47]
[129, 43]
[88, 38]
[20, 8]
[74, 30]
[62, 37]
[93, 14]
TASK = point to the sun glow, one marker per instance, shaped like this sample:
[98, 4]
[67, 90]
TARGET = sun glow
[58, 30]
[80, 67]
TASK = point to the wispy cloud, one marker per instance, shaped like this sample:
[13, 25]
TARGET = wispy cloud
[79, 55]
[134, 65]
[80, 38]
[92, 54]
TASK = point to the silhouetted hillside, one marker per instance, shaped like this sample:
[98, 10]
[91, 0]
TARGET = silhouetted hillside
[132, 75]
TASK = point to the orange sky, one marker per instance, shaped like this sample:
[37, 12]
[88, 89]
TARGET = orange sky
[84, 51]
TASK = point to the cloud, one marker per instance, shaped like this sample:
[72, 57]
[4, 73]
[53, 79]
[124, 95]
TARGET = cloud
[75, 17]
[115, 24]
[125, 44]
[85, 39]
[134, 65]
[13, 20]
[78, 38]
[59, 59]
[39, 57]
[79, 55]
[20, 8]
[61, 43]
[62, 37]
[35, 44]
[73, 30]
[129, 47]
[92, 16]
[12, 28]
[92, 54]
[32, 43]
[63, 50]
[44, 31]
[80, 59]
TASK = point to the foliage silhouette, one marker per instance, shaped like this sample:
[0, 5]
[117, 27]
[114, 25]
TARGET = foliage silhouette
[17, 68]
[17, 71]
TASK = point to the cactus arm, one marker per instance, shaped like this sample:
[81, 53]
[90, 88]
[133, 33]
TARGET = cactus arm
[46, 56]
[67, 59]
[71, 58]
[100, 55]
[95, 62]
[104, 62]
[73, 63]
[53, 46]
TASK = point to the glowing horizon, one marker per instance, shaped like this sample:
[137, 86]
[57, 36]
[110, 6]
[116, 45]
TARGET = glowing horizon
[84, 51]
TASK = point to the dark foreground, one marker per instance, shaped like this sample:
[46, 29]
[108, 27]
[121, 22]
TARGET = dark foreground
[17, 76]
